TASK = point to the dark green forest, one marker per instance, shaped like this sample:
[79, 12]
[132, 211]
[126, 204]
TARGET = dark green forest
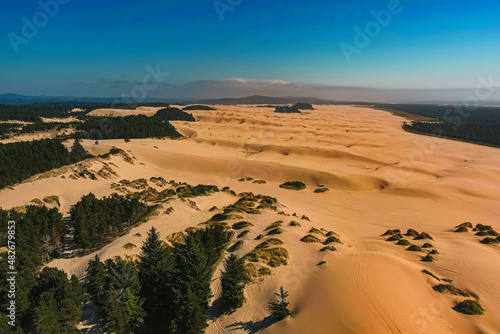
[174, 114]
[127, 127]
[18, 158]
[99, 221]
[46, 301]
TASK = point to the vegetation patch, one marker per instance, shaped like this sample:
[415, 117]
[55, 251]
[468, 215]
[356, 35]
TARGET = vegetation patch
[293, 185]
[273, 257]
[260, 181]
[403, 242]
[461, 229]
[332, 239]
[424, 235]
[241, 225]
[276, 224]
[243, 234]
[489, 241]
[260, 236]
[53, 199]
[294, 223]
[412, 233]
[425, 271]
[198, 107]
[470, 307]
[310, 238]
[427, 245]
[270, 242]
[395, 237]
[328, 248]
[129, 245]
[321, 190]
[274, 231]
[428, 258]
[434, 251]
[236, 246]
[256, 272]
[315, 230]
[174, 114]
[414, 248]
[321, 263]
[466, 225]
[451, 289]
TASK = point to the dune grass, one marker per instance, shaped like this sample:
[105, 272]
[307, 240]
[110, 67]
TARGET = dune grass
[294, 223]
[129, 246]
[403, 242]
[424, 235]
[268, 243]
[321, 190]
[273, 257]
[293, 185]
[412, 233]
[428, 258]
[332, 239]
[276, 224]
[243, 234]
[470, 307]
[425, 271]
[277, 230]
[241, 225]
[236, 246]
[414, 248]
[328, 248]
[310, 238]
[451, 289]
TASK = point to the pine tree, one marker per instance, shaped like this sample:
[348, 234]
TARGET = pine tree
[155, 276]
[116, 319]
[280, 309]
[233, 281]
[96, 277]
[191, 316]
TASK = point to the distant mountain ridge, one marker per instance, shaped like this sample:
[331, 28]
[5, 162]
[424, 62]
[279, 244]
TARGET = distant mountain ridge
[260, 99]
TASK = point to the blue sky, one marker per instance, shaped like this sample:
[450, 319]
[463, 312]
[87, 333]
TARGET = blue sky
[102, 48]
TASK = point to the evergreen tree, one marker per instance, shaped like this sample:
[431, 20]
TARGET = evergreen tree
[116, 319]
[96, 277]
[191, 315]
[280, 309]
[155, 263]
[233, 281]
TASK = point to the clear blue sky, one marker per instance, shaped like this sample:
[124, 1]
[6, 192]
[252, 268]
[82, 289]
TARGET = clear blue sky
[99, 47]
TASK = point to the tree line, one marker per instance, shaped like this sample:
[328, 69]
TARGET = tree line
[99, 221]
[21, 160]
[46, 301]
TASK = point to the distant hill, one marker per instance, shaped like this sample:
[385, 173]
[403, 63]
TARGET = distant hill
[259, 99]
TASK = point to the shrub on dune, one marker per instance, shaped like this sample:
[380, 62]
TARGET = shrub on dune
[403, 242]
[424, 235]
[260, 236]
[321, 263]
[321, 190]
[412, 233]
[273, 257]
[461, 229]
[243, 234]
[414, 248]
[276, 224]
[489, 241]
[241, 225]
[310, 238]
[428, 258]
[328, 248]
[293, 185]
[427, 245]
[395, 237]
[294, 223]
[451, 289]
[425, 271]
[434, 251]
[332, 239]
[466, 225]
[269, 243]
[237, 245]
[274, 231]
[470, 307]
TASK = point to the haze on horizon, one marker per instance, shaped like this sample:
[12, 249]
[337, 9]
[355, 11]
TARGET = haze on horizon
[402, 51]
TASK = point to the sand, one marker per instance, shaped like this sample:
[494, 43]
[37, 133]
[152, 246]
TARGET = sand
[379, 177]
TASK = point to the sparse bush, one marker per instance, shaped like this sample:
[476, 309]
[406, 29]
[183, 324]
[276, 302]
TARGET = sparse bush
[388, 232]
[395, 237]
[274, 231]
[451, 289]
[434, 251]
[260, 181]
[254, 271]
[137, 235]
[260, 236]
[481, 227]
[273, 257]
[280, 309]
[428, 258]
[321, 190]
[236, 246]
[129, 246]
[461, 229]
[241, 225]
[276, 224]
[425, 271]
[330, 233]
[54, 199]
[331, 239]
[403, 242]
[489, 241]
[424, 235]
[315, 230]
[293, 185]
[268, 243]
[321, 263]
[294, 223]
[465, 225]
[412, 233]
[242, 234]
[481, 233]
[427, 245]
[414, 248]
[310, 238]
[329, 248]
[470, 307]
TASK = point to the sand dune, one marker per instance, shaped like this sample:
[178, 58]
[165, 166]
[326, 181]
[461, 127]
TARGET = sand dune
[379, 178]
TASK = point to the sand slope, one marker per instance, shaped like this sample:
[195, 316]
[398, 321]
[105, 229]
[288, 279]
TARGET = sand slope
[379, 177]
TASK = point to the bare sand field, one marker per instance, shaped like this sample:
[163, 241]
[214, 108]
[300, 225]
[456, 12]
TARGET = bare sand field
[379, 177]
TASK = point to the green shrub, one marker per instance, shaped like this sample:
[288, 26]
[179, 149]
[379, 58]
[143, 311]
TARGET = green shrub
[414, 248]
[129, 246]
[395, 237]
[293, 185]
[424, 235]
[260, 236]
[237, 245]
[274, 231]
[388, 232]
[137, 235]
[260, 181]
[481, 233]
[315, 230]
[321, 190]
[321, 263]
[428, 258]
[470, 307]
[310, 238]
[273, 257]
[425, 271]
[241, 225]
[330, 233]
[403, 242]
[427, 245]
[481, 227]
[269, 243]
[434, 251]
[412, 233]
[254, 271]
[54, 199]
[242, 234]
[465, 225]
[331, 239]
[294, 223]
[276, 224]
[329, 248]
[451, 289]
[489, 241]
[461, 229]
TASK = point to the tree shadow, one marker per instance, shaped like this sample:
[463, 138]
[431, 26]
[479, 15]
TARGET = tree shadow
[253, 326]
